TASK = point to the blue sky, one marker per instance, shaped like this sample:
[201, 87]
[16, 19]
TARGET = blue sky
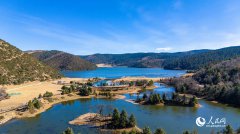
[120, 26]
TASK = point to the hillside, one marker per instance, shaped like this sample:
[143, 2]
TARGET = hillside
[137, 59]
[190, 60]
[196, 61]
[220, 82]
[17, 67]
[63, 61]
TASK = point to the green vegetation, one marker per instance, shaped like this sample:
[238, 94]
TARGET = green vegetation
[190, 60]
[160, 131]
[68, 131]
[219, 82]
[63, 61]
[146, 130]
[47, 94]
[107, 94]
[120, 121]
[179, 100]
[137, 59]
[199, 60]
[34, 104]
[68, 90]
[17, 67]
[85, 90]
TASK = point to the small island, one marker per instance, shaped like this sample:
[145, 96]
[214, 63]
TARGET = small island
[115, 122]
[175, 100]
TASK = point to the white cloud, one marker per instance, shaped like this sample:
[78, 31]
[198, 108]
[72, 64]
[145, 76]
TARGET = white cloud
[163, 49]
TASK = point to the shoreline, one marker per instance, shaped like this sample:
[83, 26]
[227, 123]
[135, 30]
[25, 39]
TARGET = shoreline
[21, 94]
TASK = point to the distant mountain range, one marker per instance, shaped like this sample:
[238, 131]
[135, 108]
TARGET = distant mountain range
[189, 60]
[149, 60]
[62, 60]
[17, 67]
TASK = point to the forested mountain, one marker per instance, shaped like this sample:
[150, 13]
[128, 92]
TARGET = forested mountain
[220, 82]
[63, 61]
[137, 59]
[190, 60]
[17, 67]
[196, 61]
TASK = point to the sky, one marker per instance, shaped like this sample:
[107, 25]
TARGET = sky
[84, 27]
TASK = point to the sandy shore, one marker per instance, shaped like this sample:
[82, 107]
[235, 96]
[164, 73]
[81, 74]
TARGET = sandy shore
[139, 78]
[21, 94]
[104, 65]
[84, 119]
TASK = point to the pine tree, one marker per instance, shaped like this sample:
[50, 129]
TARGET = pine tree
[115, 118]
[132, 121]
[159, 131]
[123, 121]
[68, 131]
[146, 130]
[228, 130]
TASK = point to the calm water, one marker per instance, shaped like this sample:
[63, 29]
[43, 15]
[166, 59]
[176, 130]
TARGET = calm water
[118, 72]
[173, 119]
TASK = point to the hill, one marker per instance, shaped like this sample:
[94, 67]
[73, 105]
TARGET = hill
[218, 82]
[137, 59]
[196, 61]
[17, 67]
[63, 61]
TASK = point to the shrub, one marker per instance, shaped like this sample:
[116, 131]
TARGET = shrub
[48, 94]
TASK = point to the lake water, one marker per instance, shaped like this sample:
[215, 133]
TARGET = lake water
[118, 72]
[174, 119]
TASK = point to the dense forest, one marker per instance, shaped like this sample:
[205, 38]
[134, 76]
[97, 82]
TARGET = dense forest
[17, 67]
[63, 61]
[220, 82]
[190, 60]
[197, 61]
[137, 59]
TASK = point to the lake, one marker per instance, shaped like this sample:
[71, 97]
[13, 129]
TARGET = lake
[174, 119]
[118, 72]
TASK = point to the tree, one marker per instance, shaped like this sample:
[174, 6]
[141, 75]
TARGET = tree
[238, 130]
[146, 130]
[159, 131]
[68, 131]
[30, 106]
[36, 103]
[164, 97]
[115, 118]
[150, 83]
[48, 94]
[228, 130]
[132, 121]
[123, 121]
[144, 96]
[186, 132]
[39, 96]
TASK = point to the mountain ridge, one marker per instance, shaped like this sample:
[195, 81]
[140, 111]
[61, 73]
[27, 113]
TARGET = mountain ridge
[62, 61]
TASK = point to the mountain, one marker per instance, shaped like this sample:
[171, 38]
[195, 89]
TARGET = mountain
[62, 61]
[17, 67]
[137, 59]
[196, 61]
[190, 60]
